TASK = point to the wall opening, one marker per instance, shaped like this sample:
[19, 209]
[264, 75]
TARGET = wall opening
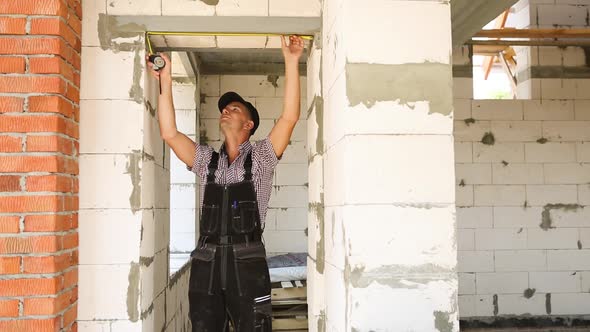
[253, 66]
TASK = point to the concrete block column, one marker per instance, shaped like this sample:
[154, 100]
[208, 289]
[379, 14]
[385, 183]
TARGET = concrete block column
[383, 246]
[124, 186]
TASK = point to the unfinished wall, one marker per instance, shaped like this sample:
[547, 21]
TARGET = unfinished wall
[382, 227]
[125, 191]
[523, 174]
[286, 219]
[184, 194]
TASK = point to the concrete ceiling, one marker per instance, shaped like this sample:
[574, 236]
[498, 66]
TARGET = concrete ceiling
[267, 61]
[231, 54]
[469, 16]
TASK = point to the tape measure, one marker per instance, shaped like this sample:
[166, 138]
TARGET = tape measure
[157, 61]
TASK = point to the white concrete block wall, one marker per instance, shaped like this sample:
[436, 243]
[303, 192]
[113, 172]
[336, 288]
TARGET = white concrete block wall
[184, 193]
[114, 185]
[286, 220]
[125, 188]
[550, 14]
[219, 8]
[522, 207]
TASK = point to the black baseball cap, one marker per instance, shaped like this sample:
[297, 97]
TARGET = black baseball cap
[230, 97]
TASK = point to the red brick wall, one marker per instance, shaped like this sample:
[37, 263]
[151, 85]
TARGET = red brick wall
[39, 129]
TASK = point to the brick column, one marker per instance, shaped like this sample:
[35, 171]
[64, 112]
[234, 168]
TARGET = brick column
[382, 211]
[39, 96]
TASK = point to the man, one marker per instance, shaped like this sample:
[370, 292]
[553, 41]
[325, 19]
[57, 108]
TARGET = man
[229, 279]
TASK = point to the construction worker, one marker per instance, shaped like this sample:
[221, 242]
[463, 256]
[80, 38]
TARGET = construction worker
[229, 280]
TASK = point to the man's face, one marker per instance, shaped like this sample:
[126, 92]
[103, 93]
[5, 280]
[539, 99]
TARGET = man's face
[234, 116]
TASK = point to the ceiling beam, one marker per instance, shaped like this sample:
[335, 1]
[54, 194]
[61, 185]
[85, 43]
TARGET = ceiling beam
[533, 33]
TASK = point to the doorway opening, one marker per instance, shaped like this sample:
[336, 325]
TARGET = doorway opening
[203, 68]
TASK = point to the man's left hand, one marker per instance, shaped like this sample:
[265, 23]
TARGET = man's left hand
[293, 51]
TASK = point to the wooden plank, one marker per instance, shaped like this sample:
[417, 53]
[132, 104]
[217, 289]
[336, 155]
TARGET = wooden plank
[489, 61]
[488, 49]
[288, 293]
[536, 42]
[289, 324]
[508, 73]
[290, 313]
[288, 302]
[533, 33]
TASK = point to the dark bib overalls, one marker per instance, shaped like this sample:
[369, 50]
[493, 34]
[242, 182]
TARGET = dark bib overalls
[229, 278]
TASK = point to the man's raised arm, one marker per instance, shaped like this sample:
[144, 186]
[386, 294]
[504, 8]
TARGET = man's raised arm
[182, 145]
[281, 132]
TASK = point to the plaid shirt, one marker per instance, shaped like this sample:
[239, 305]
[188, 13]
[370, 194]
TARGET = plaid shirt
[264, 161]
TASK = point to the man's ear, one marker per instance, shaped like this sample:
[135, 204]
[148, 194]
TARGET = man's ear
[249, 125]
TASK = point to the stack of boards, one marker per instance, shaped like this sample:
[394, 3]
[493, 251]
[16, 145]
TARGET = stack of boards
[289, 305]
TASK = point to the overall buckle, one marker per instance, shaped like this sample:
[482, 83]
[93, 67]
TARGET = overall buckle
[225, 239]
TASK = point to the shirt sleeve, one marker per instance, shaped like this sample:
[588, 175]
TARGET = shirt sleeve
[264, 153]
[203, 154]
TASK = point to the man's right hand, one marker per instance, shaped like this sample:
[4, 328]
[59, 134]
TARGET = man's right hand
[165, 72]
[182, 145]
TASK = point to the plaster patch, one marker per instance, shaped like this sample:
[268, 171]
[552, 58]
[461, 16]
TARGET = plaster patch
[133, 293]
[495, 303]
[146, 261]
[118, 37]
[210, 2]
[443, 321]
[134, 171]
[272, 79]
[318, 209]
[488, 139]
[318, 105]
[407, 83]
[546, 222]
[136, 90]
[396, 276]
[322, 321]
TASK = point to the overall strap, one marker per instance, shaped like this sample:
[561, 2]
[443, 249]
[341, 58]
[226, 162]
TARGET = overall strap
[248, 167]
[212, 167]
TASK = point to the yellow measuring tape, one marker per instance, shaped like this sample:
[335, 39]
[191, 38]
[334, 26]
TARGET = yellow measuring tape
[232, 34]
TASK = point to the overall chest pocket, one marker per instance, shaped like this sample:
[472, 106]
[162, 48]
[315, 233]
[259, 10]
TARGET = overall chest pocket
[244, 216]
[209, 224]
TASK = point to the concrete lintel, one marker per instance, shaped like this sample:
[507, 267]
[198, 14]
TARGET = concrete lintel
[469, 16]
[241, 24]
